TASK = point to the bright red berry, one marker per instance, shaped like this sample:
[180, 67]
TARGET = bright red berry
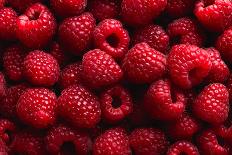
[212, 104]
[143, 64]
[75, 33]
[113, 141]
[188, 65]
[79, 106]
[7, 128]
[36, 27]
[183, 147]
[37, 107]
[22, 5]
[2, 85]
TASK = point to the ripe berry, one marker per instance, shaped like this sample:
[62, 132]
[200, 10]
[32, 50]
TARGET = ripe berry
[36, 27]
[99, 69]
[3, 148]
[75, 33]
[2, 3]
[113, 141]
[229, 86]
[188, 65]
[41, 68]
[212, 104]
[183, 147]
[7, 128]
[21, 5]
[148, 141]
[2, 85]
[111, 37]
[143, 64]
[37, 107]
[79, 106]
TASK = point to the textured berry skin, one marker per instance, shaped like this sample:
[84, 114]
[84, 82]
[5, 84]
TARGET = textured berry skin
[215, 16]
[112, 142]
[140, 12]
[163, 101]
[212, 104]
[83, 108]
[100, 69]
[8, 26]
[37, 107]
[224, 131]
[114, 113]
[148, 141]
[104, 9]
[143, 64]
[111, 37]
[6, 129]
[60, 134]
[3, 148]
[75, 33]
[154, 35]
[70, 75]
[13, 62]
[229, 86]
[183, 147]
[188, 65]
[68, 8]
[186, 31]
[2, 3]
[41, 68]
[224, 45]
[36, 27]
[21, 5]
[2, 85]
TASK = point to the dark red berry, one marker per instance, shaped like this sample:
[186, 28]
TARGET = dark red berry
[7, 128]
[2, 85]
[21, 5]
[183, 147]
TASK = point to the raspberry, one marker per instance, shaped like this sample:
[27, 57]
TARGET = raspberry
[6, 129]
[100, 69]
[21, 5]
[13, 62]
[68, 8]
[163, 101]
[212, 104]
[154, 35]
[8, 26]
[111, 37]
[2, 85]
[229, 86]
[41, 68]
[148, 141]
[215, 16]
[185, 31]
[2, 3]
[224, 131]
[3, 148]
[75, 33]
[188, 65]
[61, 136]
[104, 9]
[113, 141]
[37, 107]
[139, 12]
[183, 147]
[143, 64]
[36, 27]
[70, 75]
[116, 104]
[83, 108]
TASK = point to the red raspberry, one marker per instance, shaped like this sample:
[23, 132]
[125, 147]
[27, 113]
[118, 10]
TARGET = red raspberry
[21, 5]
[212, 104]
[224, 131]
[113, 141]
[183, 147]
[148, 141]
[75, 33]
[37, 107]
[3, 148]
[111, 37]
[8, 26]
[224, 45]
[215, 16]
[229, 86]
[143, 64]
[185, 31]
[139, 12]
[188, 65]
[36, 27]
[6, 129]
[154, 35]
[116, 104]
[104, 9]
[2, 3]
[61, 136]
[185, 127]
[163, 101]
[83, 108]
[70, 75]
[13, 62]
[68, 8]
[41, 68]
[2, 85]
[100, 69]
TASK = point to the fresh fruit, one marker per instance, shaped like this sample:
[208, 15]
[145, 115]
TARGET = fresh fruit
[183, 147]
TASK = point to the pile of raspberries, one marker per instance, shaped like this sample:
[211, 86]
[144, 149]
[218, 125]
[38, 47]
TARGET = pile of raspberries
[115, 77]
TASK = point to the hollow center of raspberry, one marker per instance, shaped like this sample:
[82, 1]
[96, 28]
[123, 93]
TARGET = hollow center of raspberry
[221, 141]
[10, 138]
[68, 148]
[113, 40]
[116, 102]
[35, 15]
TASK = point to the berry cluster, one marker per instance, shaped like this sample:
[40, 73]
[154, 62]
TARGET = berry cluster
[115, 77]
